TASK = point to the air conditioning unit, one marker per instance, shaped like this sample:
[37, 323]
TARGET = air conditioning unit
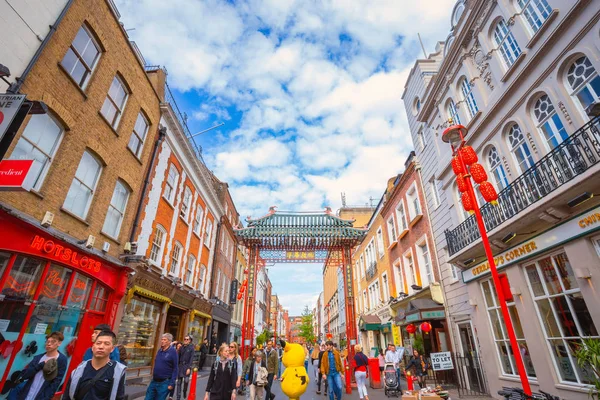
[106, 247]
[48, 219]
[89, 243]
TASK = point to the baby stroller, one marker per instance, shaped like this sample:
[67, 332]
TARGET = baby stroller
[390, 381]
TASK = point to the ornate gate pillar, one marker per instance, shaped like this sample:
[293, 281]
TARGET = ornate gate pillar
[250, 296]
[350, 312]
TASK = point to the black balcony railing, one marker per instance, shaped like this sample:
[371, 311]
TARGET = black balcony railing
[571, 158]
[371, 270]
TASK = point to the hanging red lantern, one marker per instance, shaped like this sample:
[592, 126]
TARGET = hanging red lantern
[410, 328]
[478, 173]
[457, 166]
[488, 192]
[461, 183]
[240, 295]
[467, 202]
[425, 327]
[468, 155]
[329, 336]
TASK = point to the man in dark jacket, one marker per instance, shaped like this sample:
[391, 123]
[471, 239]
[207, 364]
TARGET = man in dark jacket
[272, 368]
[186, 356]
[45, 372]
[203, 352]
[165, 374]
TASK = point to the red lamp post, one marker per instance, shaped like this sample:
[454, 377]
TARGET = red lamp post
[464, 156]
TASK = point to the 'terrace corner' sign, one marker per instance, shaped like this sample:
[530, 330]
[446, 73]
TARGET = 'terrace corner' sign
[582, 224]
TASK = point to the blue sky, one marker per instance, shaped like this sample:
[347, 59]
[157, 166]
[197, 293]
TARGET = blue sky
[309, 91]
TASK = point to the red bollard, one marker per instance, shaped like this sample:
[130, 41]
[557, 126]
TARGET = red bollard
[348, 378]
[409, 381]
[193, 381]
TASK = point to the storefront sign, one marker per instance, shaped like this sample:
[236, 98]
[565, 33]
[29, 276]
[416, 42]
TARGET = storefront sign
[396, 335]
[441, 361]
[9, 106]
[413, 317]
[300, 255]
[154, 286]
[384, 314]
[582, 224]
[233, 292]
[182, 300]
[64, 254]
[13, 174]
[433, 314]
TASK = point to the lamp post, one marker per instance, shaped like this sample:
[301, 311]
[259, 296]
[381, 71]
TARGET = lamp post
[455, 135]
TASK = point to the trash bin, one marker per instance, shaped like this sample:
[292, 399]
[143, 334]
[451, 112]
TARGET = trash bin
[374, 374]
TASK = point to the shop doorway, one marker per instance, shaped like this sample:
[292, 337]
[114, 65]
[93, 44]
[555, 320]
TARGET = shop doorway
[174, 324]
[469, 366]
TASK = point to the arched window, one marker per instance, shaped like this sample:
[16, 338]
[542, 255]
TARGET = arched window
[496, 168]
[468, 98]
[452, 112]
[506, 42]
[535, 12]
[519, 148]
[549, 123]
[584, 80]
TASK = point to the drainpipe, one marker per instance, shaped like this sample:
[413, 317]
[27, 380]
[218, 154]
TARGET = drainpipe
[162, 133]
[15, 87]
[212, 278]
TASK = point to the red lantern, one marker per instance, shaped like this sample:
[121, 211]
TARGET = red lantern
[467, 202]
[410, 328]
[329, 336]
[461, 183]
[468, 155]
[478, 173]
[457, 166]
[488, 192]
[239, 296]
[425, 327]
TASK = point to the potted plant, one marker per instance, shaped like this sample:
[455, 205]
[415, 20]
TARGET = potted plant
[588, 359]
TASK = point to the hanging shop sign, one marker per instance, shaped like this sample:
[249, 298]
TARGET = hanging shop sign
[13, 174]
[441, 361]
[233, 291]
[9, 106]
[396, 335]
[580, 225]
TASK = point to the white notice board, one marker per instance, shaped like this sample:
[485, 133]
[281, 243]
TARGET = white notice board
[441, 361]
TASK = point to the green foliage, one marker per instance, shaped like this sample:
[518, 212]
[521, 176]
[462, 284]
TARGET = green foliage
[306, 328]
[588, 358]
[418, 344]
[264, 336]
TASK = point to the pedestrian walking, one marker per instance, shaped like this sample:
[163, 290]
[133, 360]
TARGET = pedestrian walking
[43, 375]
[99, 378]
[272, 367]
[320, 380]
[258, 377]
[331, 368]
[185, 355]
[234, 355]
[314, 357]
[165, 371]
[361, 372]
[223, 377]
[392, 356]
[306, 357]
[381, 359]
[203, 353]
[419, 366]
[115, 356]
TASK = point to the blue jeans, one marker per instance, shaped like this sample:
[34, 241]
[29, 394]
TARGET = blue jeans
[334, 383]
[398, 374]
[158, 390]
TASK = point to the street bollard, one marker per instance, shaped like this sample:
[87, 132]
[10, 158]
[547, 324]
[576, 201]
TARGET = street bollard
[409, 381]
[193, 381]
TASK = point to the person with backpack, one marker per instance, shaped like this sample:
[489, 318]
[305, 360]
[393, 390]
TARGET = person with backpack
[185, 354]
[361, 372]
[223, 377]
[258, 377]
[420, 366]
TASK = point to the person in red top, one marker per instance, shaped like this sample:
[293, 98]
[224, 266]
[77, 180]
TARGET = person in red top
[360, 372]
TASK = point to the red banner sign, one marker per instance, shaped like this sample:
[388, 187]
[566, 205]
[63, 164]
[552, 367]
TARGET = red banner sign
[13, 174]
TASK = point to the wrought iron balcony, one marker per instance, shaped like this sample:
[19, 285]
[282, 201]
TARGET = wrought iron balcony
[371, 270]
[564, 163]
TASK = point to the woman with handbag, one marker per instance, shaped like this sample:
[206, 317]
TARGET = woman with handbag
[420, 366]
[361, 372]
[257, 377]
[223, 377]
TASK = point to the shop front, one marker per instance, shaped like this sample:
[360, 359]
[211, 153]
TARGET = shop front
[369, 326]
[385, 316]
[51, 284]
[553, 280]
[219, 328]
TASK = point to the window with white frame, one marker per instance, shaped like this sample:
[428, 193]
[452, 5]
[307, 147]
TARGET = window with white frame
[81, 57]
[140, 129]
[549, 122]
[411, 275]
[500, 336]
[421, 139]
[425, 263]
[186, 203]
[584, 82]
[158, 244]
[116, 210]
[519, 148]
[39, 142]
[198, 219]
[452, 112]
[506, 42]
[455, 271]
[171, 184]
[365, 302]
[176, 258]
[596, 242]
[392, 230]
[535, 12]
[468, 97]
[83, 186]
[435, 195]
[374, 295]
[399, 277]
[208, 233]
[495, 166]
[380, 248]
[114, 104]
[219, 273]
[414, 206]
[362, 264]
[401, 217]
[562, 312]
[385, 286]
[189, 272]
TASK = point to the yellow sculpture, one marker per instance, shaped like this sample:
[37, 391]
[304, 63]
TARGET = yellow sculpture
[294, 380]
